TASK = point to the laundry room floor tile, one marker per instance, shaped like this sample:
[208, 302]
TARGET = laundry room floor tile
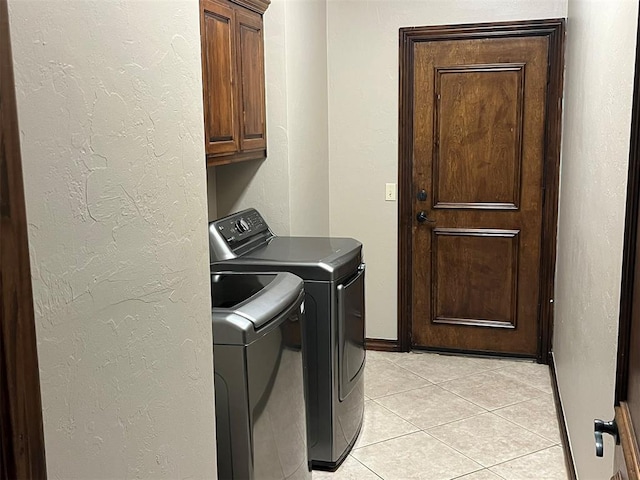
[480, 475]
[385, 378]
[530, 373]
[381, 424]
[429, 406]
[547, 464]
[440, 368]
[417, 455]
[491, 390]
[351, 469]
[489, 439]
[537, 415]
[431, 416]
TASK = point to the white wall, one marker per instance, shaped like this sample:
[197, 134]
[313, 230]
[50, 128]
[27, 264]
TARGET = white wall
[264, 184]
[306, 32]
[363, 122]
[110, 111]
[600, 55]
[290, 188]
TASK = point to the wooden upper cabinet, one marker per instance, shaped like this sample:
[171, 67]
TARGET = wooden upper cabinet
[218, 46]
[251, 75]
[233, 80]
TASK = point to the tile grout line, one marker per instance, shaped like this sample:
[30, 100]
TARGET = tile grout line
[522, 456]
[491, 409]
[454, 393]
[525, 428]
[367, 467]
[499, 463]
[458, 451]
[485, 410]
[390, 438]
[403, 391]
[522, 426]
[397, 436]
[484, 469]
[490, 369]
[497, 408]
[450, 379]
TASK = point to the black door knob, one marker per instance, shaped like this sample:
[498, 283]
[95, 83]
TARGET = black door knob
[600, 427]
[422, 217]
[422, 195]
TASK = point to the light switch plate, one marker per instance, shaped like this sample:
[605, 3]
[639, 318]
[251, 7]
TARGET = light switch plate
[390, 192]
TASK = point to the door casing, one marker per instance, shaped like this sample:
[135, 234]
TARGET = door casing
[627, 455]
[553, 29]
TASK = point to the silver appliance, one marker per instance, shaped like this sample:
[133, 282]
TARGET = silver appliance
[333, 275]
[258, 322]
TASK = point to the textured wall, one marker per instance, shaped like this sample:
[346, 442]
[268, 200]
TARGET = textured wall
[597, 111]
[363, 122]
[110, 110]
[306, 33]
[290, 187]
[264, 184]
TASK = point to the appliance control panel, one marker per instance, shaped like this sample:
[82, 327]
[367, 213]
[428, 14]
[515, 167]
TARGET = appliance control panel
[236, 233]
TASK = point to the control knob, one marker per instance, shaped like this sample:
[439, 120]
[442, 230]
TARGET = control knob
[242, 225]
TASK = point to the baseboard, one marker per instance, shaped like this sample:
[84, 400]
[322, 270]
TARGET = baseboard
[568, 456]
[381, 345]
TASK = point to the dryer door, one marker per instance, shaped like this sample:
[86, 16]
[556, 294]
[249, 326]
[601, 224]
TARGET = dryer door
[351, 331]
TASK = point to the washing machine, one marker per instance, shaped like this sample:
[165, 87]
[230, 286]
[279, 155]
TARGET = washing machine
[258, 324]
[333, 274]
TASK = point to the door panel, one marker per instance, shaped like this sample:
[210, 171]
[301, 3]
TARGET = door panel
[252, 121]
[478, 125]
[478, 151]
[219, 99]
[475, 275]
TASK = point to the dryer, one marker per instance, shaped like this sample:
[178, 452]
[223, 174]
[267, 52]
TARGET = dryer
[333, 274]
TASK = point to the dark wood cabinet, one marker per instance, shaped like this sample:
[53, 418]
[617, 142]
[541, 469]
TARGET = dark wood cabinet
[233, 80]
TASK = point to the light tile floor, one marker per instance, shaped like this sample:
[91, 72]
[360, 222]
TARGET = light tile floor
[443, 417]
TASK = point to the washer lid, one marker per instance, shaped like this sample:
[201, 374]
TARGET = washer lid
[312, 258]
[246, 304]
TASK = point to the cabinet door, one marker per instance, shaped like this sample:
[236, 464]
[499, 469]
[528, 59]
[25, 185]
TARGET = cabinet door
[251, 74]
[218, 65]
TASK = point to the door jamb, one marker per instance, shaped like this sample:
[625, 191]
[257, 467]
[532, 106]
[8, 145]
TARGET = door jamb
[553, 29]
[630, 453]
[630, 237]
[22, 452]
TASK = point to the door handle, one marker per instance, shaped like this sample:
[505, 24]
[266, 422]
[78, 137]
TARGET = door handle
[422, 217]
[600, 427]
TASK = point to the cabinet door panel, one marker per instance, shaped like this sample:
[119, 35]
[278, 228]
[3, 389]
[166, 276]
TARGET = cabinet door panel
[251, 74]
[218, 36]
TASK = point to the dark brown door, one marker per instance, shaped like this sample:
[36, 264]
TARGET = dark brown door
[251, 73]
[21, 434]
[218, 46]
[479, 118]
[627, 401]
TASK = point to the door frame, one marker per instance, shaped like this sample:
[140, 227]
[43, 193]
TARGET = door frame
[630, 252]
[554, 29]
[630, 236]
[22, 452]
